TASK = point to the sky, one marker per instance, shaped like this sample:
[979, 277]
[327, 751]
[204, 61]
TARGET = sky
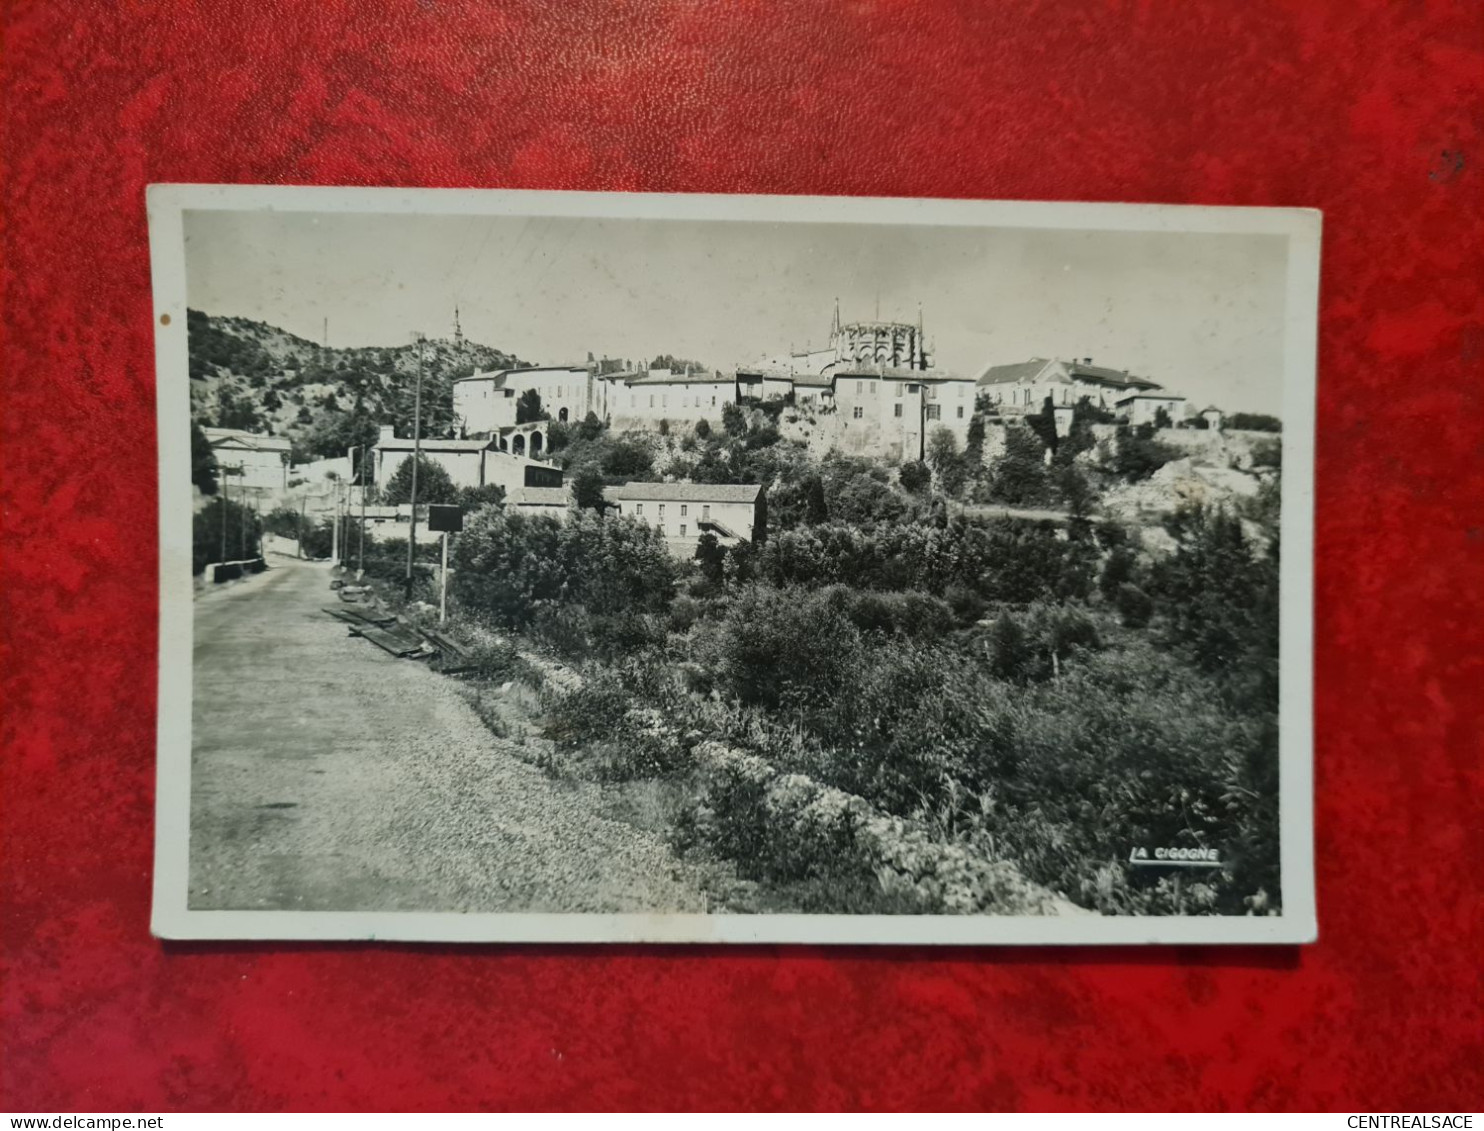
[1201, 314]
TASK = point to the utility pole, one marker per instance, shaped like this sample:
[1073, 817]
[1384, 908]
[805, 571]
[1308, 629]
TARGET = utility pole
[417, 411]
[223, 558]
[360, 475]
[335, 528]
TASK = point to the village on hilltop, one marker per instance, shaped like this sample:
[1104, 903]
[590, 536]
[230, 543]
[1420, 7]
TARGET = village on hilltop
[873, 392]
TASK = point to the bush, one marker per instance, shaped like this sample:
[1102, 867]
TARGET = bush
[1253, 422]
[1134, 606]
[603, 735]
[786, 648]
[509, 566]
[1138, 455]
[915, 476]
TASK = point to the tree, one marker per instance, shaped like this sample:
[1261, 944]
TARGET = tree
[628, 459]
[1019, 476]
[587, 489]
[712, 556]
[703, 430]
[1138, 455]
[733, 420]
[472, 498]
[203, 462]
[1253, 422]
[528, 408]
[590, 428]
[433, 483]
[1162, 418]
[947, 464]
[915, 476]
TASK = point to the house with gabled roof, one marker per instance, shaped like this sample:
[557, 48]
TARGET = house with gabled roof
[682, 512]
[1024, 386]
[250, 459]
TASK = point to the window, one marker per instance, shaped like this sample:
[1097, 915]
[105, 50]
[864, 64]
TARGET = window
[683, 510]
[682, 530]
[860, 387]
[934, 411]
[651, 400]
[858, 412]
[638, 508]
[713, 402]
[873, 387]
[960, 412]
[897, 410]
[662, 510]
[706, 512]
[899, 388]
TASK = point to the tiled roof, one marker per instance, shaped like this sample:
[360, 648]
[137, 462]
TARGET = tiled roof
[1115, 377]
[239, 438]
[1148, 397]
[897, 373]
[538, 497]
[814, 380]
[1010, 374]
[705, 377]
[429, 445]
[685, 492]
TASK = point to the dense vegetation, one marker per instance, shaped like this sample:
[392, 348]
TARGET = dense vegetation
[1024, 702]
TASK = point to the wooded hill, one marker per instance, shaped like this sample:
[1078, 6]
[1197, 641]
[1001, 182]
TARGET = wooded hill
[251, 375]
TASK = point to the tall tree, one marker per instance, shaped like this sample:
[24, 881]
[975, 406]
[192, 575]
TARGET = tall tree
[433, 483]
[203, 461]
[528, 408]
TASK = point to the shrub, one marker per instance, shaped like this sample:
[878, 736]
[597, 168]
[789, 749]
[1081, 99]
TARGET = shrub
[1138, 455]
[915, 476]
[1254, 422]
[602, 734]
[703, 430]
[508, 566]
[1134, 606]
[786, 647]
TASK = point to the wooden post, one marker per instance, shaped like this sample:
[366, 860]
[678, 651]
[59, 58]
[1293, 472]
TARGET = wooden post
[443, 588]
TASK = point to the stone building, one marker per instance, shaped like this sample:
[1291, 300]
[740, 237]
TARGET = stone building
[250, 460]
[682, 512]
[892, 413]
[469, 463]
[483, 403]
[683, 399]
[1024, 386]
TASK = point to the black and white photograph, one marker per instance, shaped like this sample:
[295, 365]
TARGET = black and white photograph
[639, 568]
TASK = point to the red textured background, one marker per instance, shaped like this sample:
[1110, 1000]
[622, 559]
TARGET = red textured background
[1369, 110]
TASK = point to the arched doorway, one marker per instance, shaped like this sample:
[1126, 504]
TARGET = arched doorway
[562, 416]
[536, 442]
[518, 445]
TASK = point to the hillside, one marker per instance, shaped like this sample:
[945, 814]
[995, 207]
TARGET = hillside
[247, 374]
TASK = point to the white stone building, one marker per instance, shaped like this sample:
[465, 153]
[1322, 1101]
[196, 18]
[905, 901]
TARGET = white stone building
[469, 463]
[1143, 408]
[252, 460]
[483, 403]
[892, 413]
[683, 399]
[682, 512]
[1025, 386]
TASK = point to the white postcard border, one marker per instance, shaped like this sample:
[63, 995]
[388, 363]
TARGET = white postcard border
[173, 919]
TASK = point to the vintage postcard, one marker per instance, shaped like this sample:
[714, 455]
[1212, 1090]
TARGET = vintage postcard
[621, 567]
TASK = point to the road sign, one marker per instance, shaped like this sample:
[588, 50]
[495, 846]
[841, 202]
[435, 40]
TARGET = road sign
[446, 519]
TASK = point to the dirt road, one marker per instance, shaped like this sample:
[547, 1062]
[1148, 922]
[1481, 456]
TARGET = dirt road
[327, 775]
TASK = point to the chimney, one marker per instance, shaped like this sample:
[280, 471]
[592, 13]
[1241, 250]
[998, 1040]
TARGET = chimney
[1087, 361]
[388, 432]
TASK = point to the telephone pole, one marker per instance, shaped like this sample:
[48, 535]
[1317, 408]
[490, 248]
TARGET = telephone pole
[417, 415]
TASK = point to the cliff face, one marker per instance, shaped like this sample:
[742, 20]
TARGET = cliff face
[247, 374]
